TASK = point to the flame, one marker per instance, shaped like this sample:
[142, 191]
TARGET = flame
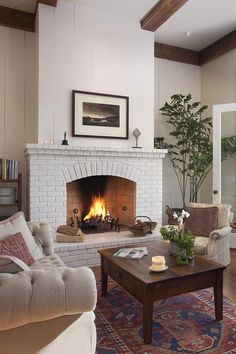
[98, 208]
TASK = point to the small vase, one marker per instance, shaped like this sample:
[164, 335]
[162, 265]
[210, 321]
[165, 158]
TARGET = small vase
[175, 250]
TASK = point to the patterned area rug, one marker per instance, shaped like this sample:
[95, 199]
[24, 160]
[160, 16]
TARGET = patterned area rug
[182, 324]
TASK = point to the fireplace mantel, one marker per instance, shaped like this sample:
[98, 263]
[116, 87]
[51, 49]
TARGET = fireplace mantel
[48, 149]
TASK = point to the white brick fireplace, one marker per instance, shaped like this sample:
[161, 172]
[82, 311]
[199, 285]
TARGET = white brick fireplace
[51, 167]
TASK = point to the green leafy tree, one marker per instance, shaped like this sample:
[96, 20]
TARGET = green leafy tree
[190, 151]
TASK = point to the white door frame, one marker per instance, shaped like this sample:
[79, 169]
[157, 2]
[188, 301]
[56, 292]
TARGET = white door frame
[217, 112]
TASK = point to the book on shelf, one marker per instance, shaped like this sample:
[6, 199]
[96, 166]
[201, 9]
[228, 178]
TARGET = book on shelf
[131, 253]
[9, 169]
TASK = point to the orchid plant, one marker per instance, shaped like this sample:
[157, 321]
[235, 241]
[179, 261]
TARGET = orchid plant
[181, 218]
[184, 239]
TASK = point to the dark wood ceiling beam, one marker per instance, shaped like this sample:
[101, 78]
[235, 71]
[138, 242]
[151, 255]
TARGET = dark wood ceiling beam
[160, 13]
[171, 52]
[218, 48]
[48, 2]
[17, 19]
[213, 51]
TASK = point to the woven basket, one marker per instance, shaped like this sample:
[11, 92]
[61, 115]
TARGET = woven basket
[141, 228]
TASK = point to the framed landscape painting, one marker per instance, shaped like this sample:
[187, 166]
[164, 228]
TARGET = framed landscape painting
[100, 115]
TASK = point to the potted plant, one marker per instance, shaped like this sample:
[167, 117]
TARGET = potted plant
[190, 151]
[181, 241]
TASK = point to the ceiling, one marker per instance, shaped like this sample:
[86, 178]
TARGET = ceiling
[207, 20]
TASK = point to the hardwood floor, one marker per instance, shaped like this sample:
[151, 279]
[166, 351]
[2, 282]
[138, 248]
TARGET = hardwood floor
[230, 277]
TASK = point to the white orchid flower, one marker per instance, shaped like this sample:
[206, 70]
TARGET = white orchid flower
[185, 214]
[175, 216]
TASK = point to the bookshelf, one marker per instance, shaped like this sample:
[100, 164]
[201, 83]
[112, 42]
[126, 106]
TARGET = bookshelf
[7, 210]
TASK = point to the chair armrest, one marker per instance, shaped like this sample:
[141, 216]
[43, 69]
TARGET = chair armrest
[43, 236]
[220, 233]
[38, 295]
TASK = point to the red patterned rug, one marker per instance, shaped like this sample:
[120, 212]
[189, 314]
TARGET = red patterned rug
[182, 324]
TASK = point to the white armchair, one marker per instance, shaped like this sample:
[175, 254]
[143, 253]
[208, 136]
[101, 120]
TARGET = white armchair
[47, 308]
[216, 246]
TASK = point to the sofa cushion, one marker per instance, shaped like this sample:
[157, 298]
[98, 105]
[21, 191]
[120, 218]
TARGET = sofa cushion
[202, 221]
[17, 223]
[224, 212]
[52, 261]
[15, 246]
[43, 236]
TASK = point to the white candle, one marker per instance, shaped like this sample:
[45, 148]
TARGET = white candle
[158, 263]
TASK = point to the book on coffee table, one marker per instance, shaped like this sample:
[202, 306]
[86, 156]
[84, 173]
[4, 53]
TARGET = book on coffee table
[132, 253]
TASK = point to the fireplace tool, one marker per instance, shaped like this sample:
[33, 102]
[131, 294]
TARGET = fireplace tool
[74, 219]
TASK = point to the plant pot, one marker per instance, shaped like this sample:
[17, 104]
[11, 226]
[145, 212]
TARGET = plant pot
[175, 250]
[170, 212]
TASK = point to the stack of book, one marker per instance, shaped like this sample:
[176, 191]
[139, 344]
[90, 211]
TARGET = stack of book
[9, 169]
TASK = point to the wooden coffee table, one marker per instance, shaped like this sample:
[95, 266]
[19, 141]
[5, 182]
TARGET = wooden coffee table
[147, 287]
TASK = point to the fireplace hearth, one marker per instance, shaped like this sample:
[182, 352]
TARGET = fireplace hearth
[51, 168]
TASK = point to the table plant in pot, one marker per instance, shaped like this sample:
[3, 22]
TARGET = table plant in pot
[181, 241]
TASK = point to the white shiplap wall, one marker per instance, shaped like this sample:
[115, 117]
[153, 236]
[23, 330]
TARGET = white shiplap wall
[88, 50]
[17, 93]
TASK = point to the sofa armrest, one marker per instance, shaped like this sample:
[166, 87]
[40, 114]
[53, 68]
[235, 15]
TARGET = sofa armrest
[12, 264]
[220, 233]
[38, 295]
[43, 236]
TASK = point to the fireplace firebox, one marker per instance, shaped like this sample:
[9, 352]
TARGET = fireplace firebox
[101, 203]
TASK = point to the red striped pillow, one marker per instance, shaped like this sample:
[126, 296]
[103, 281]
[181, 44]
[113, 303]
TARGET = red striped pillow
[15, 246]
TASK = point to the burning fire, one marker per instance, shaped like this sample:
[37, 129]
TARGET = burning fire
[98, 208]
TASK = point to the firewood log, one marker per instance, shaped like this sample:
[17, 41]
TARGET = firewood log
[69, 230]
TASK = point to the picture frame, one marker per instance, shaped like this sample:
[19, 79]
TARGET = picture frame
[100, 115]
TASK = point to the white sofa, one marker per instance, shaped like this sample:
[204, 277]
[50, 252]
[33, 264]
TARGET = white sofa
[47, 308]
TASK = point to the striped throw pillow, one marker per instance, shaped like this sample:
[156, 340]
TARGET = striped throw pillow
[15, 246]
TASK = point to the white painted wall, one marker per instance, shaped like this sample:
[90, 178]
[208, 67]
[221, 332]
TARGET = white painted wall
[171, 78]
[17, 94]
[83, 49]
[218, 80]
